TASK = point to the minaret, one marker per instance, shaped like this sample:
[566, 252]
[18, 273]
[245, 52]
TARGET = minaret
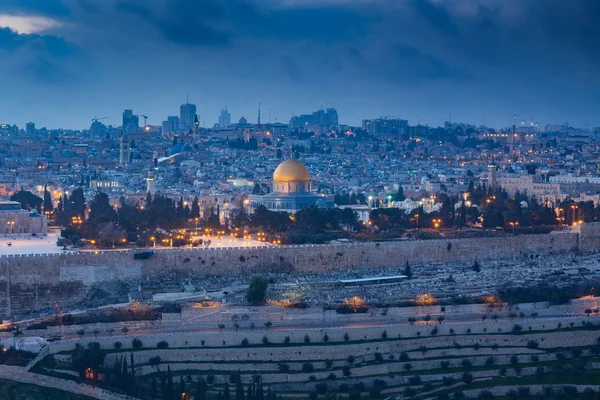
[259, 112]
[196, 127]
[124, 151]
[151, 183]
[492, 176]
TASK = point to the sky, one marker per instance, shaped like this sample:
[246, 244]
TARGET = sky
[477, 61]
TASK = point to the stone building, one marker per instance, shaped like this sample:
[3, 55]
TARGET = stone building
[16, 221]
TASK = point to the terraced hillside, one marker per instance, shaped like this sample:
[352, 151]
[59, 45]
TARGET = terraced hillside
[551, 358]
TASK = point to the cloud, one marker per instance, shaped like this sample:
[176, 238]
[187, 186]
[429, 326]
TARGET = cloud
[44, 58]
[27, 24]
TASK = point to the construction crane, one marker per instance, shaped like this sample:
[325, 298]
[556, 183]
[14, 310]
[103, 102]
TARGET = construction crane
[96, 119]
[145, 119]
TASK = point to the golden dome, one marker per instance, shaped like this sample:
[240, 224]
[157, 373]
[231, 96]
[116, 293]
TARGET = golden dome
[291, 171]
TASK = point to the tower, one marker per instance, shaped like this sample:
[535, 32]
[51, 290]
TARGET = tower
[151, 183]
[196, 127]
[259, 112]
[492, 176]
[124, 151]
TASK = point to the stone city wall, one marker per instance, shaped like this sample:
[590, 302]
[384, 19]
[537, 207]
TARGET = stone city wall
[27, 274]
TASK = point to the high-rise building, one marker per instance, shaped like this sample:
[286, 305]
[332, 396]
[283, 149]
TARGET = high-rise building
[30, 128]
[131, 123]
[385, 126]
[327, 118]
[224, 118]
[172, 124]
[187, 113]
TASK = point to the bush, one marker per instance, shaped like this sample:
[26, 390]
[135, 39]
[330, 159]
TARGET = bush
[467, 378]
[283, 367]
[162, 344]
[351, 359]
[245, 342]
[384, 335]
[490, 361]
[514, 359]
[118, 345]
[154, 361]
[378, 357]
[307, 367]
[346, 337]
[328, 363]
[136, 343]
[265, 341]
[257, 290]
[306, 339]
[404, 357]
[331, 376]
[445, 364]
[346, 370]
[448, 380]
[286, 340]
[414, 380]
[321, 388]
[532, 344]
[466, 363]
[517, 329]
[325, 338]
[486, 394]
[524, 391]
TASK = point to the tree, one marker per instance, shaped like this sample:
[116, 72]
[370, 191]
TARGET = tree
[101, 211]
[407, 271]
[28, 200]
[257, 290]
[195, 211]
[90, 358]
[48, 206]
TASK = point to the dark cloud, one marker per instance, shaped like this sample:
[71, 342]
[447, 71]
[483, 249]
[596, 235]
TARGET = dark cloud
[44, 7]
[436, 15]
[39, 57]
[412, 64]
[481, 45]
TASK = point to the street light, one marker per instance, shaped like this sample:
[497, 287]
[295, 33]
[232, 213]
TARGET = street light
[513, 224]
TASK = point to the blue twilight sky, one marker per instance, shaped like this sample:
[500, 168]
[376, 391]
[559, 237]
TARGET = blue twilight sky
[66, 61]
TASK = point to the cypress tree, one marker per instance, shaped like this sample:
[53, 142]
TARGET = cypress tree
[226, 395]
[153, 389]
[239, 389]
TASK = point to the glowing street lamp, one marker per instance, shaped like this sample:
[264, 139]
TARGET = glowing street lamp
[513, 224]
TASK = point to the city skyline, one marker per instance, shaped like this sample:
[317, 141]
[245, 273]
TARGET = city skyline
[480, 60]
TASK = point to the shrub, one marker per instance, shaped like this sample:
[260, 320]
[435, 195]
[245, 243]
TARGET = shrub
[490, 361]
[245, 342]
[524, 391]
[448, 380]
[569, 390]
[325, 338]
[306, 339]
[434, 331]
[163, 344]
[351, 359]
[384, 335]
[136, 343]
[476, 267]
[466, 363]
[321, 388]
[378, 357]
[346, 370]
[485, 394]
[307, 367]
[346, 337]
[286, 340]
[331, 376]
[257, 290]
[118, 345]
[414, 380]
[445, 364]
[517, 329]
[154, 361]
[404, 357]
[514, 359]
[328, 363]
[265, 341]
[532, 344]
[407, 366]
[467, 378]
